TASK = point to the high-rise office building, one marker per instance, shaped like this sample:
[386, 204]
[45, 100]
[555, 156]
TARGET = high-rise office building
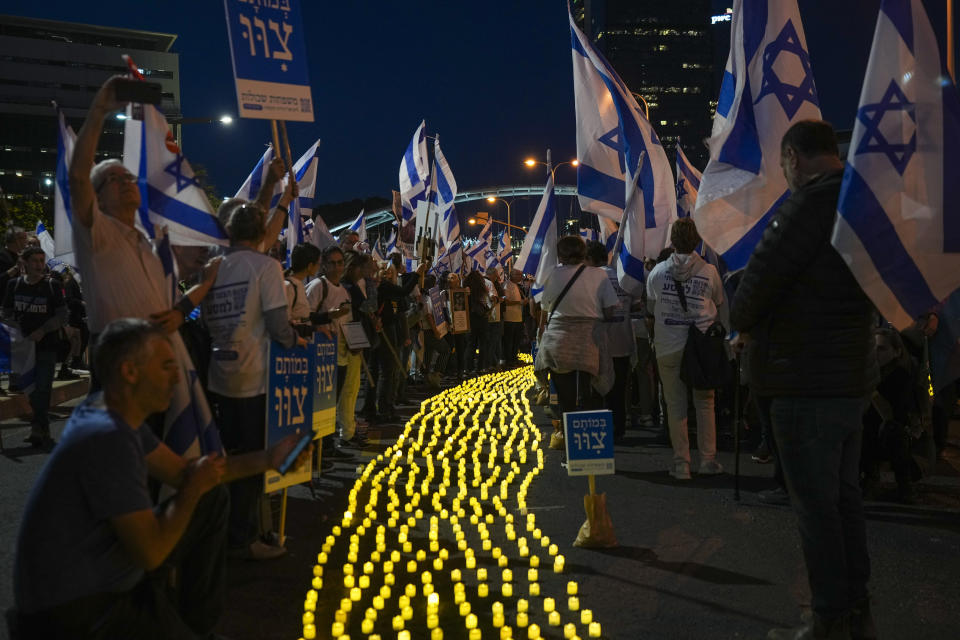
[664, 53]
[42, 61]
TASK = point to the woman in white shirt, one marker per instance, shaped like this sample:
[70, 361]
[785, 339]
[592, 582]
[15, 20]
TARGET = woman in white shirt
[304, 263]
[702, 304]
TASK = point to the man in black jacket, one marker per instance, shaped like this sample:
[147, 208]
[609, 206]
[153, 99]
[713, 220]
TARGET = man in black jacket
[812, 354]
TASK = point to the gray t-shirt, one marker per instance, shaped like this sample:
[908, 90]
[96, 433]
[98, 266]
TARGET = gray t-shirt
[67, 548]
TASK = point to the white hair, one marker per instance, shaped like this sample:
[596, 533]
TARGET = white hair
[98, 175]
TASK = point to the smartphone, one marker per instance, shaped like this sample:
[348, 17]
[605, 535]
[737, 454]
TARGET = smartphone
[297, 450]
[138, 91]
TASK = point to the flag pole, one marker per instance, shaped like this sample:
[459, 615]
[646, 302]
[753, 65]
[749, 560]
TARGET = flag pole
[951, 43]
[276, 140]
[286, 149]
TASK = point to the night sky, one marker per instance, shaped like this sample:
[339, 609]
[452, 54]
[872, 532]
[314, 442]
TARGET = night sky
[492, 78]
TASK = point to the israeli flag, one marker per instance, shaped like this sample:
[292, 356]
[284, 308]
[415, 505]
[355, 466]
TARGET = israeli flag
[478, 251]
[450, 227]
[305, 172]
[899, 227]
[414, 173]
[609, 231]
[19, 355]
[506, 249]
[446, 186]
[392, 241]
[589, 235]
[318, 234]
[688, 184]
[360, 226]
[538, 256]
[66, 138]
[620, 153]
[377, 253]
[45, 238]
[767, 86]
[251, 186]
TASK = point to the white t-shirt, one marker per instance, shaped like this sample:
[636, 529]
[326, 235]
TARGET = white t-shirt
[336, 295]
[513, 312]
[122, 276]
[248, 285]
[704, 293]
[587, 298]
[620, 338]
[298, 307]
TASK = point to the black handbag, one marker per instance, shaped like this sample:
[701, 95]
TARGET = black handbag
[706, 364]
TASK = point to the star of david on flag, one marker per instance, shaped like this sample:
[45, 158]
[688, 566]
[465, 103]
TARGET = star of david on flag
[414, 173]
[169, 192]
[538, 256]
[898, 226]
[767, 86]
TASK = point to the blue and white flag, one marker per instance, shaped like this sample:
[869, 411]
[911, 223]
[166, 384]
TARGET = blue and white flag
[505, 249]
[169, 192]
[478, 251]
[589, 235]
[251, 186]
[47, 243]
[377, 253]
[359, 226]
[688, 184]
[414, 173]
[767, 87]
[392, 241]
[19, 355]
[617, 149]
[446, 186]
[609, 231]
[538, 256]
[305, 172]
[66, 139]
[899, 226]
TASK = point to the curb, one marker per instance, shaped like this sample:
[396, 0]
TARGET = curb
[15, 406]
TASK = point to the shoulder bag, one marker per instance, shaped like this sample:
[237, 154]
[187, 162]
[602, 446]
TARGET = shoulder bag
[706, 364]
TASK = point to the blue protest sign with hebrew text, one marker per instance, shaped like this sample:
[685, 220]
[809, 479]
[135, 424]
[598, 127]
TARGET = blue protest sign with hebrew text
[589, 439]
[290, 381]
[268, 49]
[325, 385]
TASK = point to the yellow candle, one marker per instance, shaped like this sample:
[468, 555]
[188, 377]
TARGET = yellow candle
[533, 632]
[534, 588]
[455, 575]
[586, 616]
[464, 609]
[522, 605]
[506, 589]
[426, 577]
[410, 590]
[366, 626]
[594, 630]
[507, 575]
[498, 620]
[506, 633]
[554, 618]
[471, 563]
[355, 594]
[406, 613]
[534, 561]
[497, 608]
[522, 619]
[436, 634]
[572, 588]
[397, 624]
[483, 590]
[411, 566]
[502, 561]
[481, 574]
[432, 621]
[336, 629]
[308, 618]
[549, 604]
[532, 575]
[364, 582]
[471, 622]
[569, 630]
[348, 582]
[573, 603]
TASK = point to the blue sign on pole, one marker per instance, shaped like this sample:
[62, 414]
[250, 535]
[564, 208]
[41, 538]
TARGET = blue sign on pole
[268, 49]
[437, 306]
[589, 439]
[289, 404]
[325, 387]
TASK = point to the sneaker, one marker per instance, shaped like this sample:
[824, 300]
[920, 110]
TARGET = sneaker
[777, 496]
[258, 550]
[680, 471]
[67, 374]
[710, 468]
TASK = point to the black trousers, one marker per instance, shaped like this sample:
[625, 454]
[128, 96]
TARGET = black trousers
[511, 341]
[241, 423]
[150, 610]
[616, 398]
[575, 392]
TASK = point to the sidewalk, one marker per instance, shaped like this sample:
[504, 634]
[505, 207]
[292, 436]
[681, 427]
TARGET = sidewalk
[17, 405]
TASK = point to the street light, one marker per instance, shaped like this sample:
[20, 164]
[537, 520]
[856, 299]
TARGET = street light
[226, 120]
[646, 107]
[530, 162]
[482, 218]
[47, 181]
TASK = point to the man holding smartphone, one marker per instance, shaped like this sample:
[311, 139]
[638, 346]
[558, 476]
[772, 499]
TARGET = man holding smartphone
[94, 555]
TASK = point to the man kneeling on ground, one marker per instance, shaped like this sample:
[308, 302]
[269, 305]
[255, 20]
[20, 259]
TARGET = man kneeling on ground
[94, 555]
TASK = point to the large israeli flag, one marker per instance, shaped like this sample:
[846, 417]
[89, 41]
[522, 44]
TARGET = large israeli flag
[414, 173]
[66, 139]
[617, 149]
[251, 186]
[479, 250]
[767, 86]
[305, 172]
[538, 256]
[899, 226]
[169, 192]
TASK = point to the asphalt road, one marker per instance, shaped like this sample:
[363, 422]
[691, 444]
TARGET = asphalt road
[691, 563]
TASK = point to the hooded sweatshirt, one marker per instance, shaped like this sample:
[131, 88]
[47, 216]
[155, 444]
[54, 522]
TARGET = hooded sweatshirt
[705, 299]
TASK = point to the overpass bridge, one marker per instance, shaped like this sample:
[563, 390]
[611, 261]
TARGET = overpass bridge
[384, 216]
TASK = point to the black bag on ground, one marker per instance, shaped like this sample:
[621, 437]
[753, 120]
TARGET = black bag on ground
[706, 364]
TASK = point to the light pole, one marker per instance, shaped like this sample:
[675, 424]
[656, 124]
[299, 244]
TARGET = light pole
[646, 107]
[530, 162]
[494, 199]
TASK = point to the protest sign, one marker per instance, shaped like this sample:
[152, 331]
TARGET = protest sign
[289, 404]
[268, 50]
[589, 438]
[436, 307]
[325, 387]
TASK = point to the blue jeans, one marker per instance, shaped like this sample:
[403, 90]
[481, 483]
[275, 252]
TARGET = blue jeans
[819, 446]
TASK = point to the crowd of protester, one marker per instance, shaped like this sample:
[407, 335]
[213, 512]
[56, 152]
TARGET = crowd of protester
[814, 351]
